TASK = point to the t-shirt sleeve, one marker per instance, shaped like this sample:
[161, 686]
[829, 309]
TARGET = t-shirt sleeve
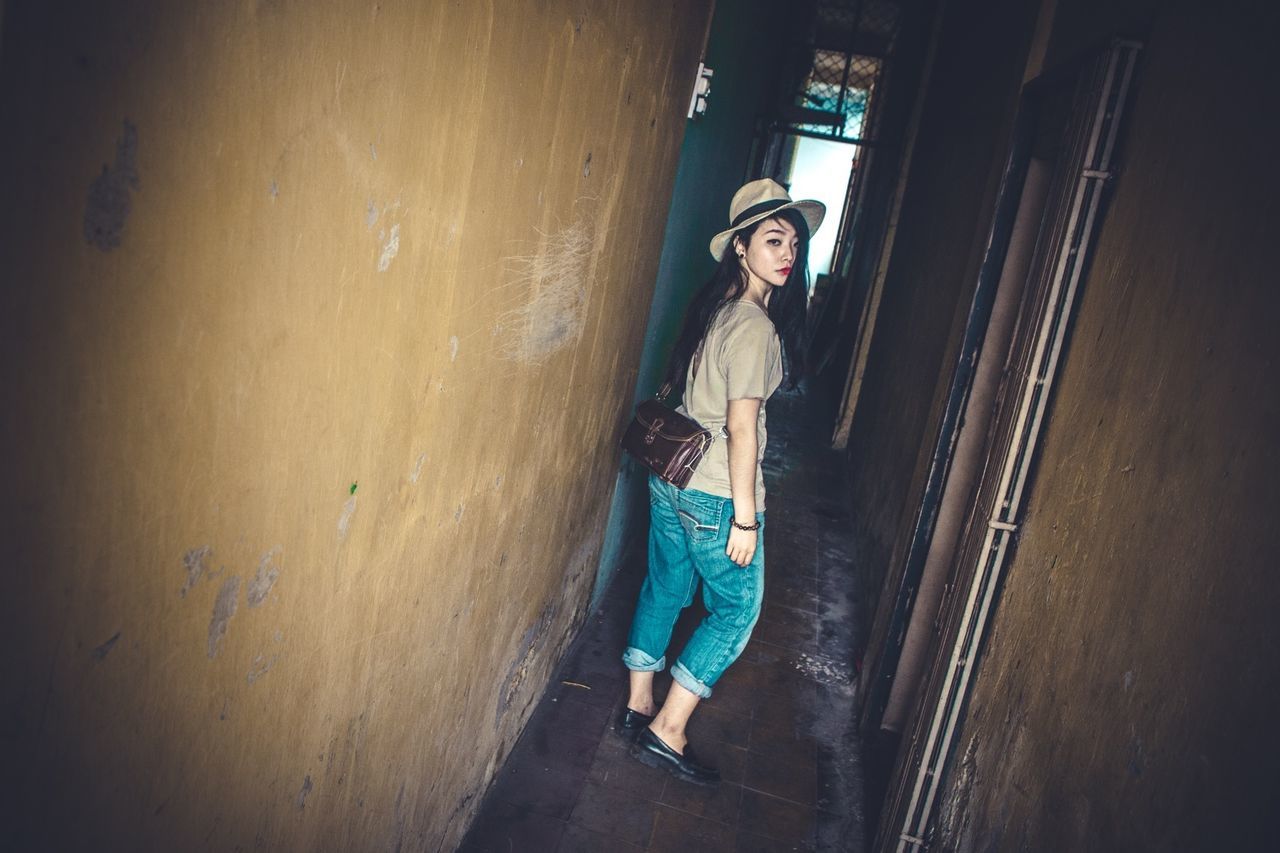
[750, 349]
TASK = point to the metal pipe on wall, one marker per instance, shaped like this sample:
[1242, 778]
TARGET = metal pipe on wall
[1071, 259]
[966, 464]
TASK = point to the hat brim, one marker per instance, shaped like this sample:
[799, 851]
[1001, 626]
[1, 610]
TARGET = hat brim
[812, 211]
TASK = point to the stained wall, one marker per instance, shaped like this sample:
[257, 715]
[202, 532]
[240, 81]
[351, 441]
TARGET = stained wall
[318, 322]
[1127, 695]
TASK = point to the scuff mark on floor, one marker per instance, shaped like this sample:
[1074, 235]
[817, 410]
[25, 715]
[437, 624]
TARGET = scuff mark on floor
[224, 607]
[264, 579]
[824, 670]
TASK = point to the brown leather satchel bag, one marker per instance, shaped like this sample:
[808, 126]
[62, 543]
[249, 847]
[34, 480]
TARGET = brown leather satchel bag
[666, 442]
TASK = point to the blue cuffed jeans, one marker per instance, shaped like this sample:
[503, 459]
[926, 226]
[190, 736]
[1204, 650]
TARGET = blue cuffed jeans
[688, 533]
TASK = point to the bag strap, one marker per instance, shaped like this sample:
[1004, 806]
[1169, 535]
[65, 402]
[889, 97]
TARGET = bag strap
[665, 390]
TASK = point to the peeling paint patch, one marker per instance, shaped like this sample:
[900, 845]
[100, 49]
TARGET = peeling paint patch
[373, 152]
[552, 314]
[1128, 680]
[526, 656]
[391, 249]
[274, 190]
[416, 473]
[224, 607]
[101, 652]
[344, 520]
[453, 348]
[457, 513]
[110, 197]
[261, 666]
[370, 215]
[586, 166]
[1137, 757]
[193, 563]
[303, 791]
[265, 578]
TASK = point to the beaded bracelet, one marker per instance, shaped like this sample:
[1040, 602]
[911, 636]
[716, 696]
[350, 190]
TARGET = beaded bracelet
[748, 527]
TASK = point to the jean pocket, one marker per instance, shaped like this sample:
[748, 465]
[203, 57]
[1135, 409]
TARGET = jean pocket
[700, 516]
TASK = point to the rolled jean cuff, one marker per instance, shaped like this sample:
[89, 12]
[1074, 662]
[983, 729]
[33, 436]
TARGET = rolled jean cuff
[682, 676]
[638, 661]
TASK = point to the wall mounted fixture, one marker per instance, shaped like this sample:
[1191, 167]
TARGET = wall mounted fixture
[701, 91]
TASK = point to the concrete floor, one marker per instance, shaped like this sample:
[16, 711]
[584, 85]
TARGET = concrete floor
[779, 726]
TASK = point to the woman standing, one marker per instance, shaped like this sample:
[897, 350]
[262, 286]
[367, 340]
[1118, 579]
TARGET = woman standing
[741, 329]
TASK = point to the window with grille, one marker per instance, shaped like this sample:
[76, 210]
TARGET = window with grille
[851, 40]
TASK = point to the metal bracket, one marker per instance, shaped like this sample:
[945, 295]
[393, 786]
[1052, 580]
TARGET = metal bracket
[701, 91]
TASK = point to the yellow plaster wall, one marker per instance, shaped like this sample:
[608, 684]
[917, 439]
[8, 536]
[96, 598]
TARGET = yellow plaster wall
[319, 320]
[1126, 697]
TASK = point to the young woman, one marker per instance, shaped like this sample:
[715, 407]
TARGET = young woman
[741, 329]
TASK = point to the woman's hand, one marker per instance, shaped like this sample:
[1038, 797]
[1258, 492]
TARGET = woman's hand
[742, 545]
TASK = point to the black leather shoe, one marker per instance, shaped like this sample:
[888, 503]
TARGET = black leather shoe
[649, 749]
[630, 723]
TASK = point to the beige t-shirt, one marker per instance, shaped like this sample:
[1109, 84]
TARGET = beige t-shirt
[741, 358]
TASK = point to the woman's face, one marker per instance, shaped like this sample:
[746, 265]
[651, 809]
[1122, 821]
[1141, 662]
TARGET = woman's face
[770, 251]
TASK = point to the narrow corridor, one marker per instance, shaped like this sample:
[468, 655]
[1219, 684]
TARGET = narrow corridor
[779, 726]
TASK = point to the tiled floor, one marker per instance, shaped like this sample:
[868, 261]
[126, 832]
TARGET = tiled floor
[779, 726]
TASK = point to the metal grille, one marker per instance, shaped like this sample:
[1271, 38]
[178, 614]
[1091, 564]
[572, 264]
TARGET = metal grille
[851, 40]
[841, 85]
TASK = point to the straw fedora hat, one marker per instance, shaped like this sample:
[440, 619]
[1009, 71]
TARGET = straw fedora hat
[760, 200]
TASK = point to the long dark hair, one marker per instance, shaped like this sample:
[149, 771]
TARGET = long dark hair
[786, 306]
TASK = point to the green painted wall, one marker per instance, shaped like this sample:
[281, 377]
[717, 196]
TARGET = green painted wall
[714, 158]
[317, 325]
